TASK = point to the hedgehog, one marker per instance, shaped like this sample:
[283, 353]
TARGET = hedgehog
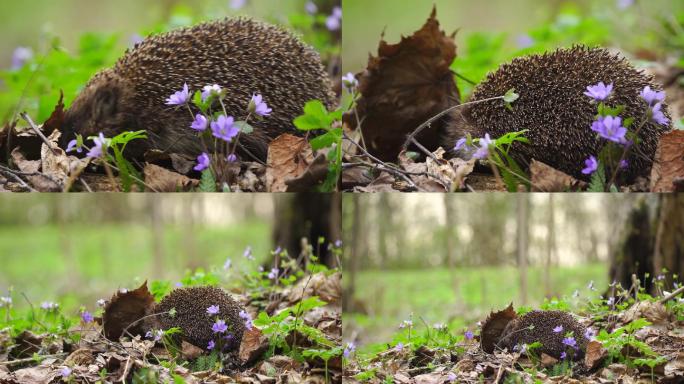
[506, 330]
[242, 55]
[553, 108]
[186, 308]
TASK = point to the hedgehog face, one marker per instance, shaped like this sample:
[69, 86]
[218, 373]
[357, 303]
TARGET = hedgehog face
[104, 106]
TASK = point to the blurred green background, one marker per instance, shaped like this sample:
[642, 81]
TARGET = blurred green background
[73, 39]
[493, 31]
[77, 249]
[453, 258]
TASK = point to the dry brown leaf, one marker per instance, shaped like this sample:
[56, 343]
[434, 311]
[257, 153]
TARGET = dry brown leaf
[675, 367]
[595, 354]
[253, 345]
[654, 312]
[548, 179]
[314, 175]
[493, 327]
[289, 157]
[54, 161]
[404, 86]
[124, 309]
[160, 179]
[189, 351]
[668, 166]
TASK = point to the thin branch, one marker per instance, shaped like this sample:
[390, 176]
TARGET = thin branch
[35, 128]
[413, 134]
[672, 295]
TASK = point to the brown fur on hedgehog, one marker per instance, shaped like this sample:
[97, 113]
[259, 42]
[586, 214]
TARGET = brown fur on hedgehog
[191, 315]
[553, 107]
[244, 56]
[539, 326]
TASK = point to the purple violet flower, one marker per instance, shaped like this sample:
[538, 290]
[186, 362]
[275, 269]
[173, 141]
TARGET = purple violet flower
[202, 162]
[570, 342]
[200, 124]
[227, 264]
[333, 23]
[558, 329]
[349, 349]
[273, 274]
[483, 151]
[399, 347]
[623, 164]
[247, 253]
[210, 90]
[600, 91]
[219, 326]
[73, 145]
[451, 377]
[258, 106]
[20, 57]
[350, 81]
[211, 345]
[462, 143]
[232, 158]
[179, 98]
[659, 116]
[87, 317]
[98, 148]
[469, 334]
[524, 41]
[65, 372]
[563, 355]
[224, 128]
[590, 165]
[311, 8]
[652, 97]
[589, 334]
[237, 4]
[610, 128]
[213, 310]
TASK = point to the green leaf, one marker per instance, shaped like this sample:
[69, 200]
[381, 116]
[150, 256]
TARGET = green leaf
[327, 140]
[511, 96]
[598, 180]
[208, 182]
[244, 127]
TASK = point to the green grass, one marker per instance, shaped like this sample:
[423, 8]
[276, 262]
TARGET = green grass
[106, 257]
[392, 296]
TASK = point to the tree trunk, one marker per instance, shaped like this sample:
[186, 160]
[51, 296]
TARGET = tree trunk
[550, 247]
[668, 255]
[522, 235]
[310, 217]
[634, 254]
[353, 250]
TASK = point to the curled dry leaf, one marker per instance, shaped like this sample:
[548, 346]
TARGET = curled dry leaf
[668, 166]
[327, 288]
[124, 309]
[160, 179]
[675, 367]
[548, 179]
[313, 176]
[289, 157]
[595, 354]
[253, 345]
[56, 119]
[493, 327]
[654, 312]
[404, 86]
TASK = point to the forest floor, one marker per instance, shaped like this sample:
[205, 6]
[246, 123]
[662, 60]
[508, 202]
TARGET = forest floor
[293, 334]
[457, 299]
[631, 337]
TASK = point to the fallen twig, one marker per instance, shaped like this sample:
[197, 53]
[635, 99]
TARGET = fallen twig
[35, 128]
